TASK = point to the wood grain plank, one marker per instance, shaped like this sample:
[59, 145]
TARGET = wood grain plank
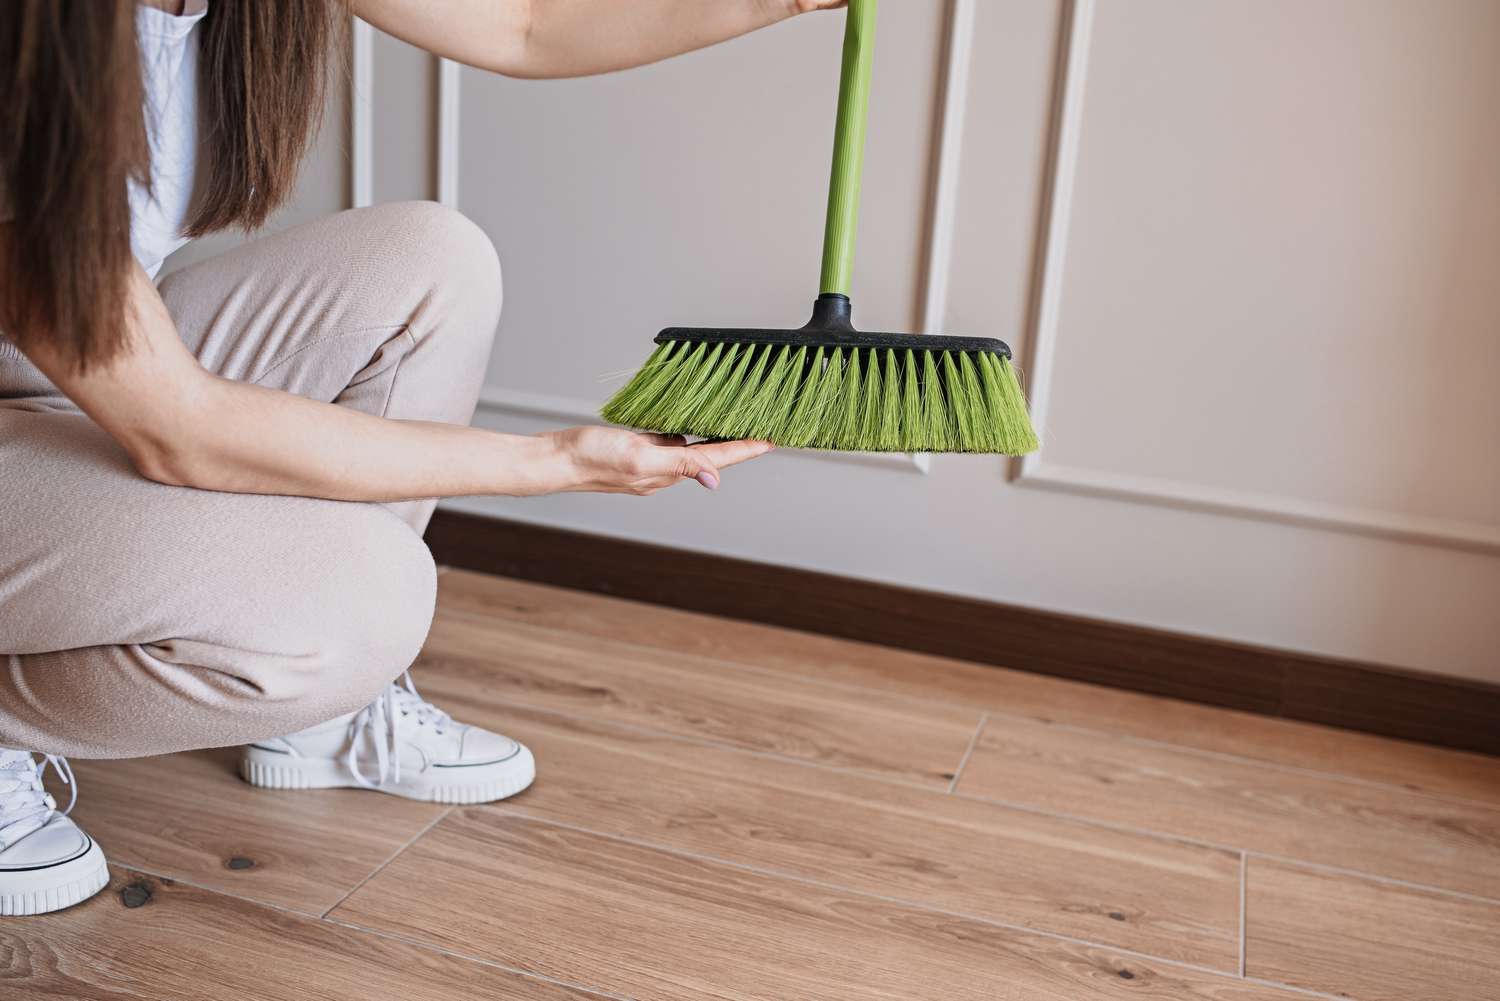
[186, 944]
[1146, 894]
[686, 695]
[1410, 765]
[651, 925]
[187, 815]
[1383, 831]
[1368, 940]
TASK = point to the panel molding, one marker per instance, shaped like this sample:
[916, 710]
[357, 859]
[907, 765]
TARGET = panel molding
[1268, 507]
[362, 122]
[1047, 290]
[361, 115]
[447, 132]
[943, 207]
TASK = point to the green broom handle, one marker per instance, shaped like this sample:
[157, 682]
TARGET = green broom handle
[848, 147]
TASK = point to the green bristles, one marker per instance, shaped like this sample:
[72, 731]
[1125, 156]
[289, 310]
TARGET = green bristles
[828, 396]
[718, 407]
[888, 428]
[802, 423]
[633, 403]
[935, 425]
[1004, 399]
[910, 432]
[763, 411]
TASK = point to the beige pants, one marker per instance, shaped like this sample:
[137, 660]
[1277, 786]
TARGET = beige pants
[137, 618]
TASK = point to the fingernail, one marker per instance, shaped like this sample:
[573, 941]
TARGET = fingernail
[708, 479]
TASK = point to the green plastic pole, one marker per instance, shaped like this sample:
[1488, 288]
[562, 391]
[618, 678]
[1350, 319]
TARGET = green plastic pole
[848, 147]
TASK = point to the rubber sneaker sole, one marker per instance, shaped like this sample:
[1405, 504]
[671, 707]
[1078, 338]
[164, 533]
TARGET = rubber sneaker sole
[53, 887]
[462, 785]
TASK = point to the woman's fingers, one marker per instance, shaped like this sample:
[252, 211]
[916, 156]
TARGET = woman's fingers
[716, 455]
[693, 465]
[668, 460]
[729, 453]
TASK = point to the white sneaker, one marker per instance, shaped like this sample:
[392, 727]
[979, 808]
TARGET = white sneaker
[46, 861]
[418, 751]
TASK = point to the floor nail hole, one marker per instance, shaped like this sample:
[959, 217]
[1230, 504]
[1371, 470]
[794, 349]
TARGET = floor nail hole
[136, 895]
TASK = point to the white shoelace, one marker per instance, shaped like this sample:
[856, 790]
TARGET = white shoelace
[379, 720]
[25, 804]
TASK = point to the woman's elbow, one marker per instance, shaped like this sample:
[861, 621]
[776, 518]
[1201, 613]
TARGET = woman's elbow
[162, 467]
[170, 464]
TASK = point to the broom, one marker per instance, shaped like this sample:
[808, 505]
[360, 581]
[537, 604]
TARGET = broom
[825, 384]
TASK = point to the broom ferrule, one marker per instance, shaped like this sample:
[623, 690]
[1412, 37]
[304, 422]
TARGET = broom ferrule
[831, 311]
[848, 147]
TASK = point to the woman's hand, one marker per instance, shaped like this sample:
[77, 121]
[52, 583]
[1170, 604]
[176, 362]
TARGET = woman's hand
[612, 460]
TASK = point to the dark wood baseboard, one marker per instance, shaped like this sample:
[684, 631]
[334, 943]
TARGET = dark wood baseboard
[1375, 699]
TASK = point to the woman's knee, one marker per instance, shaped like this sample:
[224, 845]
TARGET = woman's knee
[443, 249]
[357, 622]
[387, 594]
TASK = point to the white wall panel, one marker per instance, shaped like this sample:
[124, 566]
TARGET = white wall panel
[1279, 288]
[1275, 301]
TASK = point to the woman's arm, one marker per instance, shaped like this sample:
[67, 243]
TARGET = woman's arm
[563, 38]
[183, 425]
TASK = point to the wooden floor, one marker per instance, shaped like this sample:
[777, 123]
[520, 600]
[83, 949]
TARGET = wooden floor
[728, 810]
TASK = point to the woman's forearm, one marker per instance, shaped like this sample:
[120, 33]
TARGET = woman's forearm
[565, 38]
[249, 439]
[184, 426]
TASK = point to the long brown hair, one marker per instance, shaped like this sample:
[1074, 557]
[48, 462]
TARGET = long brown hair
[73, 135]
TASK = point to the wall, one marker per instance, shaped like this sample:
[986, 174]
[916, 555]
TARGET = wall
[1248, 253]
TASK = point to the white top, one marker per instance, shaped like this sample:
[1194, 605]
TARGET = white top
[169, 73]
[169, 76]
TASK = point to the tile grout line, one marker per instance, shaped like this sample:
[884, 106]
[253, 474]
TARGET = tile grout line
[1240, 759]
[455, 954]
[884, 777]
[393, 856]
[1234, 849]
[599, 992]
[1305, 991]
[519, 813]
[968, 751]
[216, 891]
[1405, 884]
[378, 933]
[1024, 929]
[769, 674]
[875, 776]
[1073, 818]
[890, 778]
[1244, 865]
